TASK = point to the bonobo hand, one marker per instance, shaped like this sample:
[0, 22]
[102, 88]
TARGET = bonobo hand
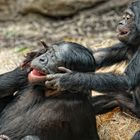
[53, 82]
[4, 137]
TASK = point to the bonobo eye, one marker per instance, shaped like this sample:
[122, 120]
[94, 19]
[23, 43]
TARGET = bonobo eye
[127, 16]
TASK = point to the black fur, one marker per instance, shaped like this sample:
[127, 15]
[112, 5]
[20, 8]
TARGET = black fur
[69, 116]
[123, 90]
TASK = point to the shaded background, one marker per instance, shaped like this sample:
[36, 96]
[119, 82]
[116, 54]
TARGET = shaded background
[23, 23]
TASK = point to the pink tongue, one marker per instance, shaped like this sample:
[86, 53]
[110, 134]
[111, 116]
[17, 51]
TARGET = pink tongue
[37, 73]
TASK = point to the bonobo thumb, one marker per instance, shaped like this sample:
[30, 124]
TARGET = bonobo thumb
[64, 70]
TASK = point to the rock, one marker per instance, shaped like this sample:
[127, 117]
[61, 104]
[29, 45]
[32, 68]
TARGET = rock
[9, 9]
[55, 7]
[3, 8]
[111, 5]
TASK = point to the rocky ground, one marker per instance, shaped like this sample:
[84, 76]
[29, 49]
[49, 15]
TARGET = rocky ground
[19, 36]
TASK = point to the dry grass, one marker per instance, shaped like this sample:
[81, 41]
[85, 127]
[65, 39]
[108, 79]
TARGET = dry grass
[114, 125]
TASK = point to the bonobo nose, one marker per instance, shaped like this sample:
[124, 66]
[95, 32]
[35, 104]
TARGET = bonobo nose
[122, 22]
[43, 59]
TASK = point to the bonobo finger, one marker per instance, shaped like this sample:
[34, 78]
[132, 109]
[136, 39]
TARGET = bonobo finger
[51, 84]
[64, 70]
[50, 77]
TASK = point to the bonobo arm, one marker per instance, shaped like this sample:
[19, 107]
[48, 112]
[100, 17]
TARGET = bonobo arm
[102, 82]
[110, 55]
[12, 81]
[17, 79]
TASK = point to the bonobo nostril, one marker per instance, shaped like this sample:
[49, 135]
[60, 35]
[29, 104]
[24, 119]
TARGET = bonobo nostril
[41, 60]
[122, 22]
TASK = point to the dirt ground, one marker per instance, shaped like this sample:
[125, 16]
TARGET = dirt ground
[17, 37]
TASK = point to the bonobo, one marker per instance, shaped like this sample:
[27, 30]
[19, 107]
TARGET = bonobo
[68, 116]
[124, 87]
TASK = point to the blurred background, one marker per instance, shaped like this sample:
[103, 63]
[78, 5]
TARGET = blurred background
[25, 22]
[92, 23]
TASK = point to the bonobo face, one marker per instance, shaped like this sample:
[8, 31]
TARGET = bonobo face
[126, 29]
[47, 63]
[129, 27]
[66, 54]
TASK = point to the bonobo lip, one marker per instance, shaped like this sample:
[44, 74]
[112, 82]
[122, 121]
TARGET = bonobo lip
[36, 75]
[122, 32]
[37, 72]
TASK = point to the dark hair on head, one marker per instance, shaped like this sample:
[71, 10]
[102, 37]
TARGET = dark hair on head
[78, 58]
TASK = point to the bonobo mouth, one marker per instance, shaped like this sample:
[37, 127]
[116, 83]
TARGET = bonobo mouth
[36, 75]
[122, 32]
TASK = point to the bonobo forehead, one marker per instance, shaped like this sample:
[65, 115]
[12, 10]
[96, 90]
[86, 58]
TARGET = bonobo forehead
[61, 48]
[129, 11]
[75, 56]
[135, 7]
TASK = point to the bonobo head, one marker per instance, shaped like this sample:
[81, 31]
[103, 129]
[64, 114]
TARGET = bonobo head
[129, 27]
[66, 54]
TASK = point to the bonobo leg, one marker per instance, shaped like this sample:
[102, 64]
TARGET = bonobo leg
[109, 101]
[124, 100]
[131, 102]
[103, 104]
[136, 100]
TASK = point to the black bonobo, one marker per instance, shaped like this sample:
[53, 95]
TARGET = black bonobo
[120, 90]
[67, 116]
